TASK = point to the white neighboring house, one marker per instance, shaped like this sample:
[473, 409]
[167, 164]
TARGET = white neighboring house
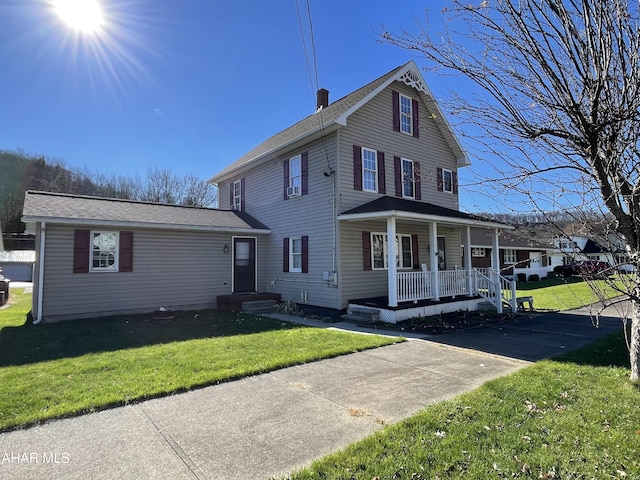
[577, 248]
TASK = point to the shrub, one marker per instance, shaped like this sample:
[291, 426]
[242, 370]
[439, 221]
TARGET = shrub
[534, 278]
[522, 277]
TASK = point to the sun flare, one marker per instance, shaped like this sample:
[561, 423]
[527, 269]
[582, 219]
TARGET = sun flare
[81, 15]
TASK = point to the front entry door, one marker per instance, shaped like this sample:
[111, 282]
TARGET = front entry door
[244, 265]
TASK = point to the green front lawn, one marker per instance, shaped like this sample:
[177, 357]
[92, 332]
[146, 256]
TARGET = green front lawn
[576, 417]
[563, 294]
[69, 368]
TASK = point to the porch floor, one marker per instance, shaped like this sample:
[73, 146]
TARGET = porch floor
[233, 302]
[383, 302]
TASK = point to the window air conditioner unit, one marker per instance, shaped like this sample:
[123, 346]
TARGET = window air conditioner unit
[293, 191]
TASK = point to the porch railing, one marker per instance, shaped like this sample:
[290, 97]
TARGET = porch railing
[415, 286]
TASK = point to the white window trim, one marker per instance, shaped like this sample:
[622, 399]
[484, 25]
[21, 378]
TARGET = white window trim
[399, 251]
[292, 255]
[409, 115]
[115, 266]
[375, 170]
[444, 183]
[478, 252]
[411, 180]
[237, 195]
[299, 176]
[510, 256]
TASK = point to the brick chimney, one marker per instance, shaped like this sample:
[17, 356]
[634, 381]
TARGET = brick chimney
[323, 99]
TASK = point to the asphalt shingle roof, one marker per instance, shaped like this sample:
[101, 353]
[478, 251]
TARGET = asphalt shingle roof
[506, 239]
[63, 207]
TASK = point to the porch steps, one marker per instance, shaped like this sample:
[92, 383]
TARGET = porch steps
[256, 307]
[361, 315]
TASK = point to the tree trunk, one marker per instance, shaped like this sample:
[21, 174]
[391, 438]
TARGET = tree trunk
[634, 343]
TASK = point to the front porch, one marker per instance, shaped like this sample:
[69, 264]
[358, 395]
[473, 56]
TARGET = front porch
[428, 293]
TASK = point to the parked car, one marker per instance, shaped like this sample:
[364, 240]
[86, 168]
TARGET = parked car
[584, 268]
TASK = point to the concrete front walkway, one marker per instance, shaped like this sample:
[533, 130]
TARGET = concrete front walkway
[277, 422]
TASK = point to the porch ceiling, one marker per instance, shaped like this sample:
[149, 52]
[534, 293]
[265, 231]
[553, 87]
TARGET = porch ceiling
[402, 208]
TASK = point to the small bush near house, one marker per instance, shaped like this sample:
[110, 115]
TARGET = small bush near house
[522, 277]
[534, 278]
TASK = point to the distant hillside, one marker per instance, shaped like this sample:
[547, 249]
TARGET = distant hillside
[20, 172]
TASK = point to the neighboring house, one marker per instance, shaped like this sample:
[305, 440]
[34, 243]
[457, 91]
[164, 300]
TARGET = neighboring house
[380, 163]
[99, 256]
[17, 265]
[574, 248]
[518, 255]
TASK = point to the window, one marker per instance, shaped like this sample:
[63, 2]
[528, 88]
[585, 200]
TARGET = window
[237, 196]
[295, 254]
[478, 252]
[407, 179]
[406, 115]
[295, 173]
[369, 170]
[379, 246]
[447, 181]
[510, 255]
[104, 251]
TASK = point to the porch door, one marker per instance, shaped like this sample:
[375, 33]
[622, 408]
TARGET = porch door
[442, 264]
[244, 265]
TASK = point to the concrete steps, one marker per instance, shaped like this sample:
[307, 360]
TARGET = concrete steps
[361, 315]
[256, 307]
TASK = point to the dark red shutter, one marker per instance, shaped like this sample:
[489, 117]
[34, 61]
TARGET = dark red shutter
[285, 254]
[366, 250]
[416, 180]
[242, 184]
[285, 182]
[305, 254]
[396, 110]
[454, 181]
[439, 179]
[416, 123]
[382, 181]
[415, 258]
[231, 195]
[397, 175]
[304, 162]
[357, 167]
[125, 255]
[81, 245]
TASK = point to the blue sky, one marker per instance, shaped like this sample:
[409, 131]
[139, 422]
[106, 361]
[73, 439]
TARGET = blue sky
[186, 85]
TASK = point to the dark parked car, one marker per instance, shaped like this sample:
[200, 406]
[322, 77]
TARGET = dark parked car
[584, 268]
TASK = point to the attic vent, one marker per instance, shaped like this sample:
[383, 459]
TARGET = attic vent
[413, 79]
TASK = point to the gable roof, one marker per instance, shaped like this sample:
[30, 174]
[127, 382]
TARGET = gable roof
[84, 210]
[337, 113]
[401, 207]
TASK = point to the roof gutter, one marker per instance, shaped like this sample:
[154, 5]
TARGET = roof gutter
[146, 225]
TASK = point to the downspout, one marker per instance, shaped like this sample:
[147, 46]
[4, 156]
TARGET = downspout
[40, 289]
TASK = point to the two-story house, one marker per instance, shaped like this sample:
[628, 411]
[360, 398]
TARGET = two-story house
[355, 205]
[380, 163]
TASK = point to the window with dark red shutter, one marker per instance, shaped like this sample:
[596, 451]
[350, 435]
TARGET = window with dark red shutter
[416, 123]
[305, 254]
[396, 110]
[381, 175]
[366, 250]
[285, 254]
[357, 167]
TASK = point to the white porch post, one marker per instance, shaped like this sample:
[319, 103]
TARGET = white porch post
[467, 257]
[391, 262]
[495, 262]
[433, 260]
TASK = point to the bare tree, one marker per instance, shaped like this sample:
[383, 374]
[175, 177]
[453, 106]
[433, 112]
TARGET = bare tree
[558, 104]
